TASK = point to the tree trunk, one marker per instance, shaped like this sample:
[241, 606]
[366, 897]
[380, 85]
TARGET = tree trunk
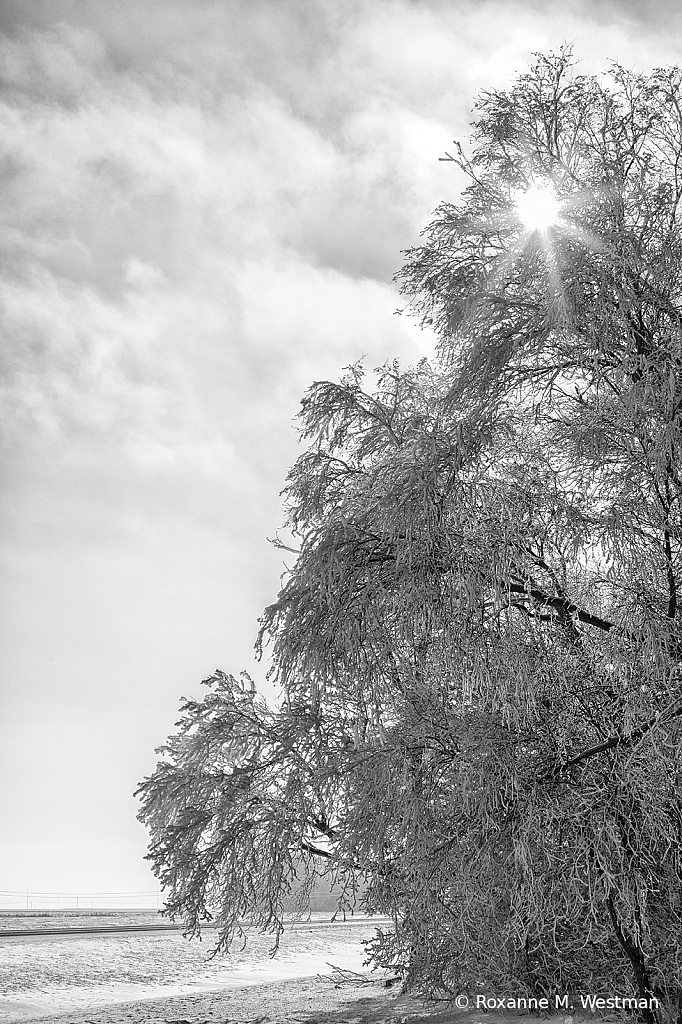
[636, 957]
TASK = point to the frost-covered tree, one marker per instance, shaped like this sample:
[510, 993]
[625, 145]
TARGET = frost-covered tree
[478, 645]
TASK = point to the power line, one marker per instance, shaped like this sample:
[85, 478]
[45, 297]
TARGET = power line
[35, 892]
[30, 899]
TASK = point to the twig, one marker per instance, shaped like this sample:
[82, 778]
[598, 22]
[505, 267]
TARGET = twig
[343, 976]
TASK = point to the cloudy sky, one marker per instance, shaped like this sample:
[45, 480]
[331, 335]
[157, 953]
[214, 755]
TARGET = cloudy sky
[205, 203]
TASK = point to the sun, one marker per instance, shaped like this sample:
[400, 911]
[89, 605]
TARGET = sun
[537, 208]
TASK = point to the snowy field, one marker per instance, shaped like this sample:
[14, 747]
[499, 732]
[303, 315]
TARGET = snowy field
[49, 974]
[39, 920]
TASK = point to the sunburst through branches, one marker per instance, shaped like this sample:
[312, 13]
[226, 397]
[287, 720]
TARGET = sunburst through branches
[537, 208]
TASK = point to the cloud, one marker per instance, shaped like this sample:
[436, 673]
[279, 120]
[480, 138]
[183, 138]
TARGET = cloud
[145, 231]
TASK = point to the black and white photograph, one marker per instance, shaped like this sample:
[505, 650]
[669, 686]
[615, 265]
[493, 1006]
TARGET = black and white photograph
[341, 511]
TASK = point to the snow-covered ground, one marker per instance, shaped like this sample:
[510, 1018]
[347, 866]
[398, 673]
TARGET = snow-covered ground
[53, 974]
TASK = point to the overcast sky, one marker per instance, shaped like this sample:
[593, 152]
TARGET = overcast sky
[205, 203]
